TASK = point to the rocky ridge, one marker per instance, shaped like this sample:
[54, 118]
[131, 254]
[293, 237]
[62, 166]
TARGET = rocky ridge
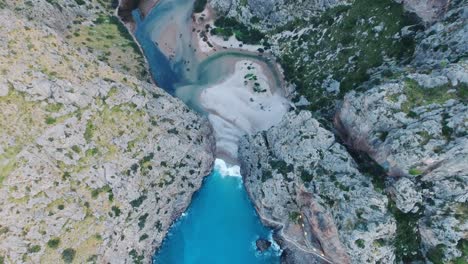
[267, 15]
[414, 126]
[305, 182]
[95, 164]
[407, 113]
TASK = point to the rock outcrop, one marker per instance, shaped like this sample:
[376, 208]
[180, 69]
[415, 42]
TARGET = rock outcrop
[427, 10]
[267, 14]
[126, 7]
[262, 244]
[302, 181]
[414, 126]
[95, 164]
[403, 104]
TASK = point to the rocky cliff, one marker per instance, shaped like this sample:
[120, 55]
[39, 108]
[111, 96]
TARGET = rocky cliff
[267, 15]
[95, 163]
[393, 86]
[414, 126]
[304, 182]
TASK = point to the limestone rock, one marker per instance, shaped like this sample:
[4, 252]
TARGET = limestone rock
[302, 180]
[262, 244]
[405, 195]
[277, 13]
[91, 159]
[418, 133]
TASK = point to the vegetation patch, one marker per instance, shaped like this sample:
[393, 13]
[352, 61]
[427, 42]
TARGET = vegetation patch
[228, 26]
[418, 96]
[199, 6]
[344, 43]
[111, 42]
[68, 255]
[137, 202]
[407, 241]
[360, 243]
[295, 217]
[54, 242]
[34, 249]
[137, 259]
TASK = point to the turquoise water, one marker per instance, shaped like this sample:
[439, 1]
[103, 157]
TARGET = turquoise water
[220, 227]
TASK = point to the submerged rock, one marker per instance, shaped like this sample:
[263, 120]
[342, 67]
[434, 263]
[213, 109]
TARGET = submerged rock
[262, 244]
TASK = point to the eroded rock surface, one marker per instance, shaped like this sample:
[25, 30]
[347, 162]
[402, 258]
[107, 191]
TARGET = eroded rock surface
[270, 14]
[414, 126]
[95, 164]
[302, 180]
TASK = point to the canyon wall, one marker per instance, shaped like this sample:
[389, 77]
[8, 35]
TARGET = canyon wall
[396, 99]
[95, 162]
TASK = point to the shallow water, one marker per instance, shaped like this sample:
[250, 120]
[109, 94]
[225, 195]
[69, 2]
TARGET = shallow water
[221, 225]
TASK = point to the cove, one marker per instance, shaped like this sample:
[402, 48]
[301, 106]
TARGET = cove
[221, 224]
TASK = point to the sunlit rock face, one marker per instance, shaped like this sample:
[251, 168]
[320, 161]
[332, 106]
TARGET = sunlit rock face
[92, 158]
[304, 182]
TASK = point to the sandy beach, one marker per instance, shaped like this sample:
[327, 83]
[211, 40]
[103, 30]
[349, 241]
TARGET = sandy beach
[236, 107]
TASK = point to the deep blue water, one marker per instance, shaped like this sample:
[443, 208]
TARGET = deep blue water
[221, 224]
[220, 227]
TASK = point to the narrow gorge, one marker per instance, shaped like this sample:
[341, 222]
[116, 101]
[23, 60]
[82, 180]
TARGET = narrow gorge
[233, 131]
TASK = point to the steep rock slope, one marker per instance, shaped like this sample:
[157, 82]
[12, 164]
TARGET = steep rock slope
[399, 85]
[302, 180]
[94, 164]
[266, 14]
[87, 25]
[414, 125]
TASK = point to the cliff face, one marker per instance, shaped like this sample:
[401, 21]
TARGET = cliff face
[398, 95]
[268, 15]
[95, 164]
[414, 126]
[303, 181]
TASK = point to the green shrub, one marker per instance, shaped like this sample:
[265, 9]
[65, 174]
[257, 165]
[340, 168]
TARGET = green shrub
[305, 176]
[462, 245]
[137, 202]
[294, 217]
[76, 149]
[54, 242]
[360, 243]
[116, 211]
[143, 237]
[342, 44]
[50, 120]
[227, 26]
[407, 241]
[142, 220]
[199, 6]
[266, 175]
[68, 255]
[89, 131]
[436, 254]
[34, 249]
[415, 172]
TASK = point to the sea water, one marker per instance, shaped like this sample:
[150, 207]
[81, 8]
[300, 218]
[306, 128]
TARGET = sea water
[220, 226]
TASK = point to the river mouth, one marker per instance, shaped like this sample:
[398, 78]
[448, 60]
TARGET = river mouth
[241, 93]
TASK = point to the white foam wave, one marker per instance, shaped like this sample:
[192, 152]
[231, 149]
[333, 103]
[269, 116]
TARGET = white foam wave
[276, 248]
[227, 170]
